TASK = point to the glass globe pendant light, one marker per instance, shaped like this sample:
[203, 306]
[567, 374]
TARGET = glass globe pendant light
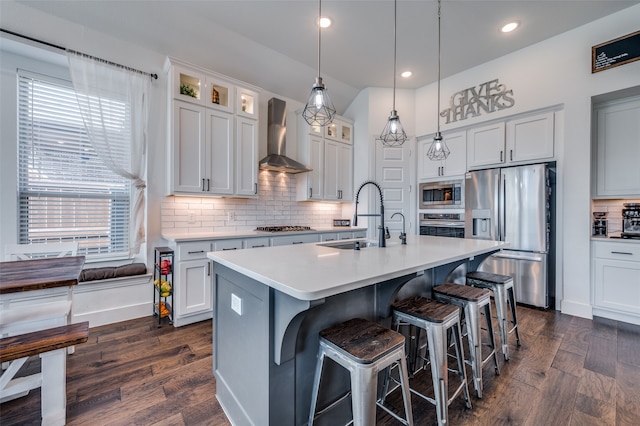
[393, 133]
[319, 110]
[438, 149]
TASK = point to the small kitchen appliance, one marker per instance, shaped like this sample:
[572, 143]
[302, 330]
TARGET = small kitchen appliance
[599, 228]
[440, 195]
[631, 220]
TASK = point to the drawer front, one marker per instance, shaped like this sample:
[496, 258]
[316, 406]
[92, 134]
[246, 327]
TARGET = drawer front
[255, 243]
[294, 239]
[194, 250]
[223, 245]
[628, 252]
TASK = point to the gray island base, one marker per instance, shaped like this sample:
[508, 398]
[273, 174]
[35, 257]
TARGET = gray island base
[270, 304]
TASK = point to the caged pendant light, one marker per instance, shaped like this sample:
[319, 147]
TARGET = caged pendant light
[393, 133]
[438, 149]
[319, 110]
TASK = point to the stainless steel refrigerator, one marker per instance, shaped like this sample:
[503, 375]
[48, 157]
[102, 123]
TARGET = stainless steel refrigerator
[516, 204]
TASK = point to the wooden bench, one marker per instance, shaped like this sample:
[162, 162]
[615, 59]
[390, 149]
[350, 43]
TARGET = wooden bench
[50, 345]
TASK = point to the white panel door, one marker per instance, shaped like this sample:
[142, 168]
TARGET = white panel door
[220, 139]
[393, 167]
[246, 157]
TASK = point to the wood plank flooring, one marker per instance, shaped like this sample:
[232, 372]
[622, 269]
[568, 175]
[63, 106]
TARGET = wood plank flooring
[568, 371]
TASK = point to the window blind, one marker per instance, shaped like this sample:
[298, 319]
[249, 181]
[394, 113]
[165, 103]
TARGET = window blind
[65, 192]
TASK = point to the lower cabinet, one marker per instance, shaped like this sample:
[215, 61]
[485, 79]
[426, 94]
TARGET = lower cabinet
[616, 281]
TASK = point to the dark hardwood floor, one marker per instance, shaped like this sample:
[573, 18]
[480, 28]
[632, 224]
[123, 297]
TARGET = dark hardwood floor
[568, 371]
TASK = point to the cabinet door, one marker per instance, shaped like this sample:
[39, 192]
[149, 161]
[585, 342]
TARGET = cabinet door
[455, 164]
[618, 149]
[530, 138]
[246, 157]
[189, 148]
[485, 145]
[345, 172]
[193, 290]
[331, 172]
[220, 154]
[316, 162]
[617, 285]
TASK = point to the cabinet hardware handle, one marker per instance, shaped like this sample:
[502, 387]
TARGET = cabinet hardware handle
[195, 252]
[501, 156]
[622, 252]
[209, 269]
[229, 248]
[330, 239]
[208, 185]
[310, 192]
[297, 242]
[203, 185]
[510, 155]
[255, 188]
[261, 245]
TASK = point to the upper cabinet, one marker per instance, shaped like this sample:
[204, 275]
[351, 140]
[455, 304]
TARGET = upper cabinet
[329, 152]
[516, 141]
[454, 165]
[213, 133]
[617, 148]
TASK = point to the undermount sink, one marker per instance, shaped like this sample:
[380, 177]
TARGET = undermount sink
[348, 244]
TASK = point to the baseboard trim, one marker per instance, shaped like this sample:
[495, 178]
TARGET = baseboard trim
[577, 309]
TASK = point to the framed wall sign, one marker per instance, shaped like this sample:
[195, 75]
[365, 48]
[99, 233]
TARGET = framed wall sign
[613, 53]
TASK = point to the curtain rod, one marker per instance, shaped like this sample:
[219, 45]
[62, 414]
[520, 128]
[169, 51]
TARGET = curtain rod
[152, 75]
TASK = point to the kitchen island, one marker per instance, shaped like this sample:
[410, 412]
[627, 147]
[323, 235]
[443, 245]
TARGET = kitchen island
[270, 304]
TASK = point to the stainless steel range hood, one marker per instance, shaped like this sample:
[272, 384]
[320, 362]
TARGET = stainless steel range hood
[276, 158]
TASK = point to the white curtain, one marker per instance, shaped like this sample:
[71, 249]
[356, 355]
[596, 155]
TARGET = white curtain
[114, 103]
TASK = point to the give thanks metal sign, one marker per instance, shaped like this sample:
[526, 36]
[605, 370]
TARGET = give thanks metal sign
[485, 98]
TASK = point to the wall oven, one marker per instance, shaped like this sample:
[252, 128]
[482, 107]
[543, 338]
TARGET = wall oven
[440, 195]
[442, 224]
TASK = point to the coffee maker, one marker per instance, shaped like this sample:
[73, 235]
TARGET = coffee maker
[599, 228]
[631, 220]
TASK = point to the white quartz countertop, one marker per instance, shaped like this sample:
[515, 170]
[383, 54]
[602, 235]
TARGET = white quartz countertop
[179, 237]
[312, 271]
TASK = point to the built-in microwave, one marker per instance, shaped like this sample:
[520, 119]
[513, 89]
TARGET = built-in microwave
[443, 194]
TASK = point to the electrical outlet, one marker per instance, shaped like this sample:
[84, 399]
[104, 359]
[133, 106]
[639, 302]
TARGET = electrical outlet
[231, 216]
[236, 304]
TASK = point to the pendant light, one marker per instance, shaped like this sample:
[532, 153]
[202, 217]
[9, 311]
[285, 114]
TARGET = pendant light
[438, 149]
[393, 133]
[319, 110]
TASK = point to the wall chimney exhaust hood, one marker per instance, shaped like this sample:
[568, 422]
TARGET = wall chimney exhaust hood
[276, 159]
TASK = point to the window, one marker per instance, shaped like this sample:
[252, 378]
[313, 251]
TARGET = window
[65, 192]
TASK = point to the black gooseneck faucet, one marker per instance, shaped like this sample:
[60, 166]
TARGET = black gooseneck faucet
[382, 235]
[403, 234]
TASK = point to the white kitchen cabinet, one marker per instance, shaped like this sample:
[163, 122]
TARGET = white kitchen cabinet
[330, 157]
[256, 242]
[454, 165]
[192, 283]
[617, 148]
[213, 126]
[616, 280]
[342, 235]
[338, 171]
[521, 140]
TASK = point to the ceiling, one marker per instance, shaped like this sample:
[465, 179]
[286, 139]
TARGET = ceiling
[273, 44]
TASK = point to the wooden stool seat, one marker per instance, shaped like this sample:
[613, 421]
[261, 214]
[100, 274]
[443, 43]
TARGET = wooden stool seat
[363, 348]
[426, 309]
[464, 292]
[487, 277]
[363, 340]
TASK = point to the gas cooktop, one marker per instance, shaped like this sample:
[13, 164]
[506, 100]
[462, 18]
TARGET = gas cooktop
[283, 228]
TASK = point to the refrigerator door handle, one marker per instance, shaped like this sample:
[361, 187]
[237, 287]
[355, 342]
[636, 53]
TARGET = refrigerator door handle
[502, 208]
[531, 257]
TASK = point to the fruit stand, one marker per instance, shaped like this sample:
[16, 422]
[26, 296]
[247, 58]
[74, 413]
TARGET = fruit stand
[163, 284]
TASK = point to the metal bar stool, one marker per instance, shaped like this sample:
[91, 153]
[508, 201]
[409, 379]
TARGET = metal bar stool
[364, 348]
[472, 300]
[504, 294]
[437, 319]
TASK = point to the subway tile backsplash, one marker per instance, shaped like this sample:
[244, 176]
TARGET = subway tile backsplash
[276, 205]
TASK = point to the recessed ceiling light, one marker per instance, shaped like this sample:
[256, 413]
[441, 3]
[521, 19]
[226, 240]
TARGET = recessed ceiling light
[406, 74]
[509, 27]
[325, 22]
